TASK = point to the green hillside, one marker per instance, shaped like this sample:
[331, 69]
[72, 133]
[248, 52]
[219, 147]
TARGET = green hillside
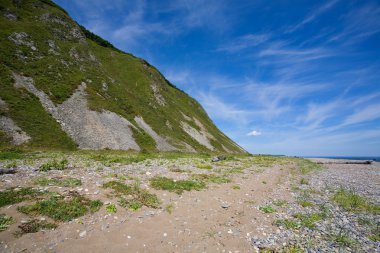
[46, 58]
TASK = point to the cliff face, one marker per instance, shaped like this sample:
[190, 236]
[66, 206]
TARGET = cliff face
[63, 87]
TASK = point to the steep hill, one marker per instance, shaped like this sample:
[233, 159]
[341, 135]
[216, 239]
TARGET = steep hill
[63, 87]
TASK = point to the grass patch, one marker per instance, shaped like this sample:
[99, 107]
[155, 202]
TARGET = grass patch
[54, 165]
[34, 226]
[17, 195]
[65, 182]
[133, 197]
[11, 154]
[204, 166]
[267, 209]
[5, 222]
[304, 181]
[60, 209]
[178, 170]
[306, 166]
[178, 186]
[111, 208]
[288, 224]
[280, 202]
[210, 178]
[236, 187]
[351, 201]
[169, 208]
[343, 240]
[308, 220]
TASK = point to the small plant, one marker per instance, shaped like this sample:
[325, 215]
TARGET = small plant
[351, 201]
[210, 178]
[343, 240]
[111, 208]
[304, 203]
[204, 166]
[267, 209]
[54, 165]
[11, 165]
[288, 224]
[264, 182]
[60, 209]
[280, 202]
[34, 226]
[169, 208]
[5, 222]
[133, 197]
[236, 187]
[168, 184]
[304, 181]
[65, 182]
[177, 170]
[306, 166]
[308, 220]
[17, 195]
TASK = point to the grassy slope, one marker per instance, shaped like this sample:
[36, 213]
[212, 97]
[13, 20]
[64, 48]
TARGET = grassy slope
[128, 79]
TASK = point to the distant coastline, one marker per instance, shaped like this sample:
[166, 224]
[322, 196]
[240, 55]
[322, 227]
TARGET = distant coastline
[372, 158]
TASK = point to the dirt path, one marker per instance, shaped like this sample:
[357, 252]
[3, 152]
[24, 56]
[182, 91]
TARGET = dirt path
[218, 219]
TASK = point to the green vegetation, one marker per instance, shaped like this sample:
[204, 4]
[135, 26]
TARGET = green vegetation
[17, 195]
[280, 202]
[64, 182]
[34, 226]
[204, 166]
[133, 197]
[267, 209]
[236, 187]
[268, 160]
[288, 224]
[306, 166]
[308, 220]
[210, 178]
[61, 209]
[5, 221]
[111, 208]
[178, 186]
[169, 208]
[351, 201]
[178, 170]
[304, 181]
[54, 165]
[343, 240]
[11, 154]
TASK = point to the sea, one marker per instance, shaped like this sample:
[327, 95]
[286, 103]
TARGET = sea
[368, 158]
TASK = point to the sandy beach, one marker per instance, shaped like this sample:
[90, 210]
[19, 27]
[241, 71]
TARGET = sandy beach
[278, 204]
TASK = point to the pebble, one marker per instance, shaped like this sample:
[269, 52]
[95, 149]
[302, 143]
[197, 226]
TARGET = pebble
[83, 233]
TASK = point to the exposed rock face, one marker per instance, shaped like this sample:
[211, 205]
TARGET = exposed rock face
[18, 136]
[202, 137]
[161, 143]
[89, 129]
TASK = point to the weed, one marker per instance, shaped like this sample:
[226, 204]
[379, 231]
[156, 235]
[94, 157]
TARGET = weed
[5, 221]
[304, 181]
[11, 154]
[54, 165]
[267, 209]
[343, 240]
[280, 202]
[177, 170]
[34, 226]
[204, 166]
[178, 186]
[210, 178]
[236, 187]
[304, 203]
[306, 166]
[11, 165]
[351, 201]
[16, 195]
[251, 202]
[169, 208]
[308, 220]
[264, 182]
[65, 182]
[111, 208]
[60, 209]
[137, 197]
[288, 224]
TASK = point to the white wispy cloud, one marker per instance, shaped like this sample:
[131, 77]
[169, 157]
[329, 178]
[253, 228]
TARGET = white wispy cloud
[254, 133]
[313, 15]
[243, 42]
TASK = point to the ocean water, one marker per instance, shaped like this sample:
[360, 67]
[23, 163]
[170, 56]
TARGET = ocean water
[372, 158]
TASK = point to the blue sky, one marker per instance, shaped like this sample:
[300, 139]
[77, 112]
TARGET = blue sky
[290, 77]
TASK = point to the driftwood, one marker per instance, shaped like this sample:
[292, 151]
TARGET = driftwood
[346, 162]
[7, 171]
